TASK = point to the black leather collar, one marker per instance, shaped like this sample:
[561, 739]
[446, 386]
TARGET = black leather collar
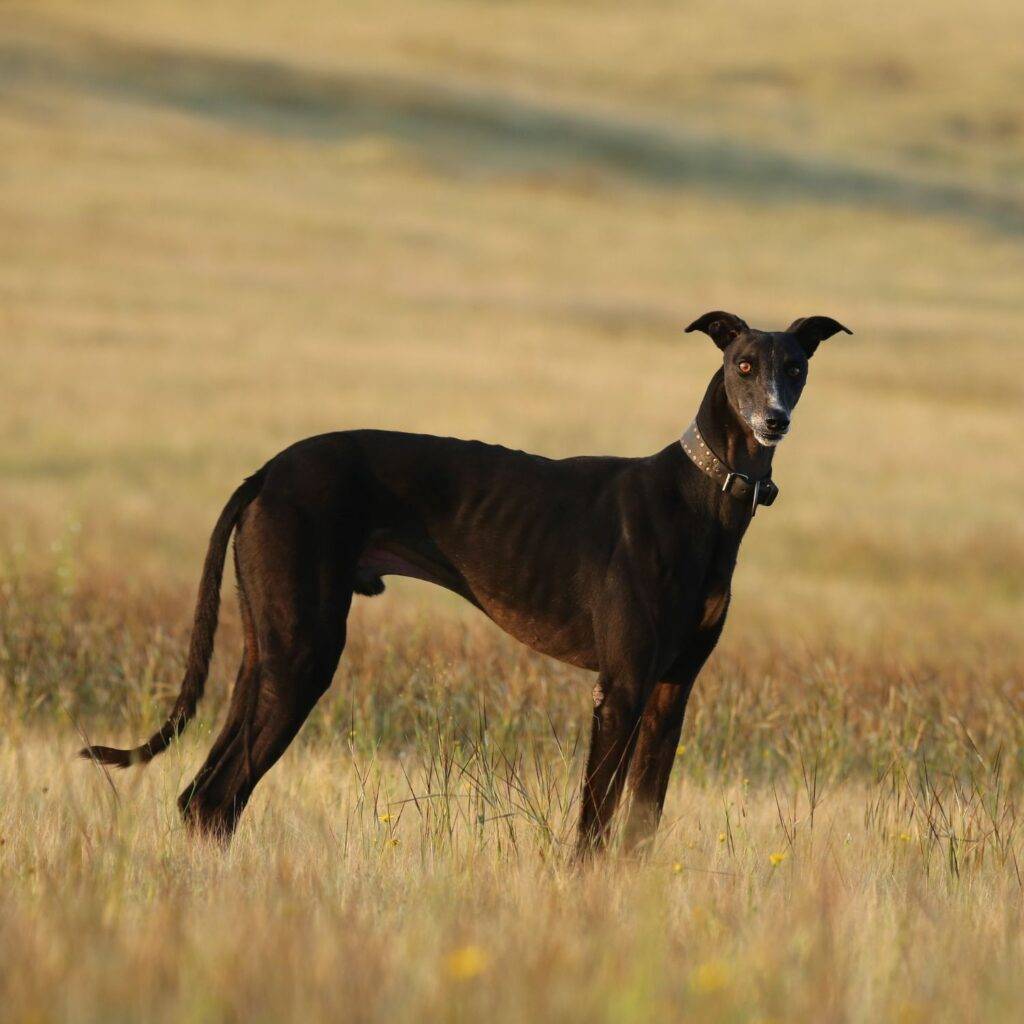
[739, 485]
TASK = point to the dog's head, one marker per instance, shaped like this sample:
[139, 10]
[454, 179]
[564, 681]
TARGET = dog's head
[765, 371]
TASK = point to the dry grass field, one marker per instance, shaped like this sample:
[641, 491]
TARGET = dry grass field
[225, 226]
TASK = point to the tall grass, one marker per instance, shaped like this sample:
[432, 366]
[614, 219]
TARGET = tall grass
[414, 676]
[373, 886]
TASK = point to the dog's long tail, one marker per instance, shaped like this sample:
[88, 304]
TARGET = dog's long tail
[200, 650]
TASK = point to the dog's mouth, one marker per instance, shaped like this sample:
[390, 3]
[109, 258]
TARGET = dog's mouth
[768, 438]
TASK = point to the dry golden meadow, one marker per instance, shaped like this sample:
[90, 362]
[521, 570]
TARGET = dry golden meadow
[225, 226]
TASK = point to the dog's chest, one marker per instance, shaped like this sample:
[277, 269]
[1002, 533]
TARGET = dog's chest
[713, 585]
[713, 608]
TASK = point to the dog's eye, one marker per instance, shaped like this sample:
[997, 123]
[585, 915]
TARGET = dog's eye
[795, 370]
[744, 366]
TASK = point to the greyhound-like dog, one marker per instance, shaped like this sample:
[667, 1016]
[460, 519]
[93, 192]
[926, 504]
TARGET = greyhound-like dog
[621, 566]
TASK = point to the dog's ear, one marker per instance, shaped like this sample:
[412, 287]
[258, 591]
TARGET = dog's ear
[719, 326]
[810, 331]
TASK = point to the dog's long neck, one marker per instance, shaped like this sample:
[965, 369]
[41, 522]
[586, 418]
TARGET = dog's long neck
[728, 436]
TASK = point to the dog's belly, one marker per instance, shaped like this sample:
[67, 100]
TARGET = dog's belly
[553, 634]
[390, 557]
[567, 641]
[376, 562]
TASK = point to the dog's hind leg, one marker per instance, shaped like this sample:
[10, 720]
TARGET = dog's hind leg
[242, 695]
[299, 596]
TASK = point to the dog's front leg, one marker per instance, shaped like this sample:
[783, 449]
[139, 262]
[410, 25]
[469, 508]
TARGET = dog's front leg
[658, 740]
[618, 702]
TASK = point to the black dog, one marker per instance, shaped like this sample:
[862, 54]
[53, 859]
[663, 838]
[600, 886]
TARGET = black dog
[621, 566]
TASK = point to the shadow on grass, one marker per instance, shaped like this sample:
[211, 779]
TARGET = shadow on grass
[463, 131]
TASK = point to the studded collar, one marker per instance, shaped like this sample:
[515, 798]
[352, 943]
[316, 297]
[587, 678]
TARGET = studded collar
[739, 485]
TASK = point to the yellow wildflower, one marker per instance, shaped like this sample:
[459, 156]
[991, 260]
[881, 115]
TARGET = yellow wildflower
[711, 976]
[466, 962]
[385, 818]
[909, 1013]
[777, 858]
[721, 837]
[677, 868]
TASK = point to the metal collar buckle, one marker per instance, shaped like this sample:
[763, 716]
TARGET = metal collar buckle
[733, 475]
[760, 492]
[754, 485]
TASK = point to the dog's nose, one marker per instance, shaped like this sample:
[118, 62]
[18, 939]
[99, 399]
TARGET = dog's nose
[776, 420]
